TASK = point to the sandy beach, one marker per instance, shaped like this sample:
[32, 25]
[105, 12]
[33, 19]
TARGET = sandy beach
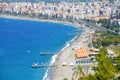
[68, 56]
[59, 72]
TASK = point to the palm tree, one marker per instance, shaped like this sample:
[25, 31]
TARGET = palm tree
[106, 70]
[65, 79]
[80, 72]
[90, 77]
[118, 63]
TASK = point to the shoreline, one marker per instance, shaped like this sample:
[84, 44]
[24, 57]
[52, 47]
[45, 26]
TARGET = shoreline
[39, 20]
[61, 55]
[60, 72]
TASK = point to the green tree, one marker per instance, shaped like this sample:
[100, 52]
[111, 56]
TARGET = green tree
[80, 71]
[90, 77]
[106, 69]
[118, 63]
[65, 79]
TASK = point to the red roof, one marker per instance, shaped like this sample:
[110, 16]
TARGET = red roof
[81, 53]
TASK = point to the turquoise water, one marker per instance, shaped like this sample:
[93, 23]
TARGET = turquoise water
[21, 42]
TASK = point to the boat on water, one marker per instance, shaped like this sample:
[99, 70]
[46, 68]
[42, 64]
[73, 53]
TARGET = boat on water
[35, 65]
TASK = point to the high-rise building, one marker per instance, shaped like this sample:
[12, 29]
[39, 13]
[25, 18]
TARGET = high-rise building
[118, 14]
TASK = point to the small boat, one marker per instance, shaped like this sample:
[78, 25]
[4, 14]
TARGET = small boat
[43, 53]
[35, 65]
[28, 51]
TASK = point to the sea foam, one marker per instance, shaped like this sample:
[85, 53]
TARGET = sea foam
[53, 59]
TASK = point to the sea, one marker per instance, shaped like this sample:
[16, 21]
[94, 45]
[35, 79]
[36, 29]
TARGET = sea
[22, 41]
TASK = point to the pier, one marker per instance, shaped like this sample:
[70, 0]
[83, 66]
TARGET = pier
[47, 53]
[74, 34]
[36, 65]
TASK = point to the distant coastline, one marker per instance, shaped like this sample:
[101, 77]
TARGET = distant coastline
[40, 20]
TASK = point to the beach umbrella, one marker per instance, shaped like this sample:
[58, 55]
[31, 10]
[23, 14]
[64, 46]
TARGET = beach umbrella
[71, 64]
[64, 64]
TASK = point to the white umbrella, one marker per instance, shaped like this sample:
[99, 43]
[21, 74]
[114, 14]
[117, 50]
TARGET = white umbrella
[64, 64]
[71, 64]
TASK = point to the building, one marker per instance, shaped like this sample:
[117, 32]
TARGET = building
[104, 1]
[81, 53]
[97, 18]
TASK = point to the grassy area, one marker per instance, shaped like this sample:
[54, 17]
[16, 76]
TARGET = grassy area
[116, 49]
